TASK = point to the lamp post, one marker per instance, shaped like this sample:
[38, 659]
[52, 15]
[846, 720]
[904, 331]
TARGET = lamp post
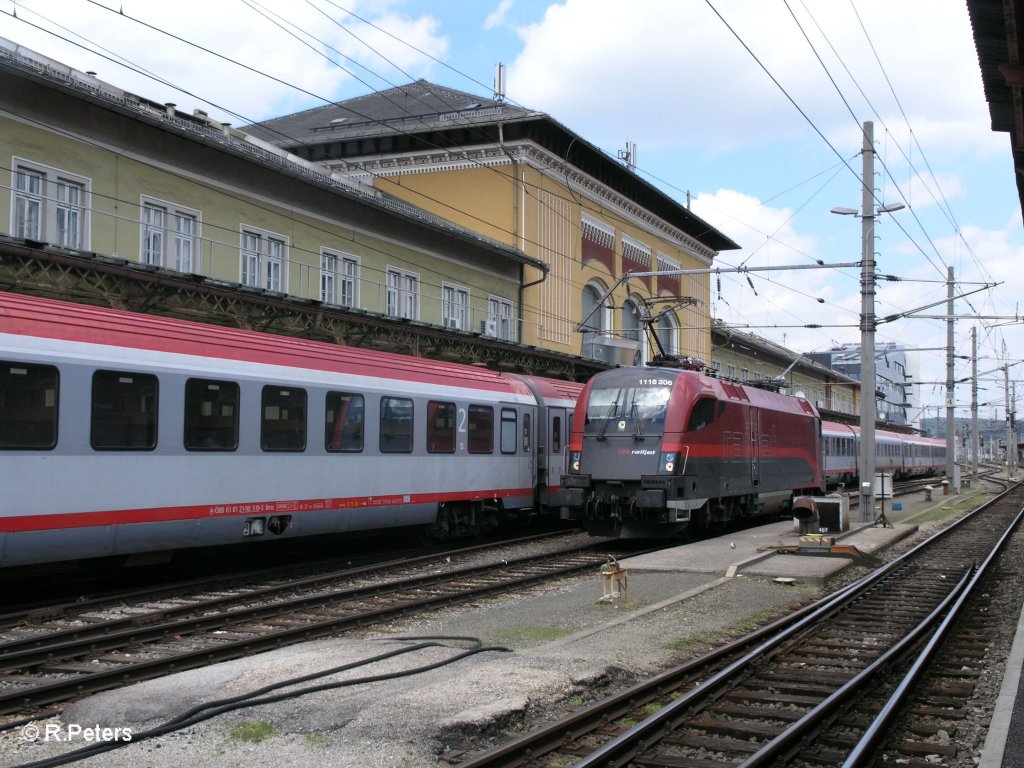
[866, 462]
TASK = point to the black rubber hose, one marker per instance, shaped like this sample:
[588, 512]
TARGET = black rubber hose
[258, 697]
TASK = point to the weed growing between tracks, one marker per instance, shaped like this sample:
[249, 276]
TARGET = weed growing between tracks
[251, 732]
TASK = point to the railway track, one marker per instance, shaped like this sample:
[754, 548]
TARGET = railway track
[69, 657]
[273, 577]
[886, 663]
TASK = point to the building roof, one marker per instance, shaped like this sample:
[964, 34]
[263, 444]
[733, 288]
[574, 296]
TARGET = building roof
[800, 361]
[424, 116]
[25, 63]
[1000, 48]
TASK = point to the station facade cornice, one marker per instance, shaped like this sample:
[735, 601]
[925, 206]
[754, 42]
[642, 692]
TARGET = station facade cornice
[538, 158]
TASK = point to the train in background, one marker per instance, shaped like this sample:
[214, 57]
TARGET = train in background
[123, 433]
[901, 455]
[657, 452]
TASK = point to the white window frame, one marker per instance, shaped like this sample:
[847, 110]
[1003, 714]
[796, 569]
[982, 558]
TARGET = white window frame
[339, 278]
[599, 322]
[500, 321]
[263, 259]
[403, 293]
[667, 331]
[167, 243]
[632, 310]
[56, 209]
[455, 306]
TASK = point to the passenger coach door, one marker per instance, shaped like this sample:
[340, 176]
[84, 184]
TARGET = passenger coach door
[557, 427]
[755, 445]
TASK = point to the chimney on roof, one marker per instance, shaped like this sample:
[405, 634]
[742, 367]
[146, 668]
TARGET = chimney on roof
[170, 105]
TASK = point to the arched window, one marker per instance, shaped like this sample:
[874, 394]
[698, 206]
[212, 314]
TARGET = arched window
[632, 328]
[595, 318]
[667, 332]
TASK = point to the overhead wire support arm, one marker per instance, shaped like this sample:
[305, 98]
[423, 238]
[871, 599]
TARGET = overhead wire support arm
[912, 313]
[582, 325]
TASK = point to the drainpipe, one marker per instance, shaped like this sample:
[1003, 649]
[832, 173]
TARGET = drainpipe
[522, 269]
[518, 210]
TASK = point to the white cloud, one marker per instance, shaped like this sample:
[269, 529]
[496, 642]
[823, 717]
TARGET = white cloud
[295, 44]
[672, 73]
[497, 17]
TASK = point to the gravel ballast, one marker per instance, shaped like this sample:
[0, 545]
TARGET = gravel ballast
[564, 645]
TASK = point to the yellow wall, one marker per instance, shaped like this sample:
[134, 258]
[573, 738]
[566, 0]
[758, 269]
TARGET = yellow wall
[118, 183]
[519, 205]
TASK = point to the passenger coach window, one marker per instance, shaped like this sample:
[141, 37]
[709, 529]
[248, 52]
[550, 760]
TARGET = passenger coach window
[211, 415]
[395, 425]
[123, 411]
[28, 406]
[344, 424]
[556, 435]
[283, 421]
[481, 429]
[508, 430]
[526, 433]
[440, 427]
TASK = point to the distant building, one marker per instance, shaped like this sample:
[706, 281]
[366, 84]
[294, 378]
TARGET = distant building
[893, 379]
[752, 359]
[991, 436]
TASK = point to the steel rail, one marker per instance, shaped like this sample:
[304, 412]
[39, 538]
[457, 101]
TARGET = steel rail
[67, 642]
[863, 752]
[546, 738]
[620, 750]
[771, 750]
[16, 700]
[222, 581]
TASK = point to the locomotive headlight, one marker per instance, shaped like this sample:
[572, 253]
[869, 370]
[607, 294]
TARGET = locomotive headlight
[574, 461]
[668, 462]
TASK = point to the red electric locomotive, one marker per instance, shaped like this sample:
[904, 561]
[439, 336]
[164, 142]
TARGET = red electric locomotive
[655, 451]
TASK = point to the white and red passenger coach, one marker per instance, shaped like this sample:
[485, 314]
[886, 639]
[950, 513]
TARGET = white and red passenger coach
[123, 433]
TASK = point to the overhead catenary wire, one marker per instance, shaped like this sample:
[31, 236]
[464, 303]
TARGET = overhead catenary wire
[940, 200]
[278, 80]
[803, 113]
[573, 285]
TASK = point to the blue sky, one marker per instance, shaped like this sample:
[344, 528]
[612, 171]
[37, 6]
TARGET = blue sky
[754, 108]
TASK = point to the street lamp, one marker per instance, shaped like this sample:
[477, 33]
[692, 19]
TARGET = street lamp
[866, 464]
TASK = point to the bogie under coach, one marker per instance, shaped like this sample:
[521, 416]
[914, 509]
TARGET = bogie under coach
[657, 451]
[123, 433]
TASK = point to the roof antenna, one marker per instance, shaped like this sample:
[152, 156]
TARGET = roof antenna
[499, 82]
[628, 155]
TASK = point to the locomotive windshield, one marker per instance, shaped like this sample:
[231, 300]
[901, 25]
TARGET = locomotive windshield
[640, 406]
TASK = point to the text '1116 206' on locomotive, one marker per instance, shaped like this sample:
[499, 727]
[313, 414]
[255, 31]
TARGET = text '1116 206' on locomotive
[655, 452]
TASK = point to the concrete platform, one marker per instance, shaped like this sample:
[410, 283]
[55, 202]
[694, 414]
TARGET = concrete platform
[755, 552]
[1004, 745]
